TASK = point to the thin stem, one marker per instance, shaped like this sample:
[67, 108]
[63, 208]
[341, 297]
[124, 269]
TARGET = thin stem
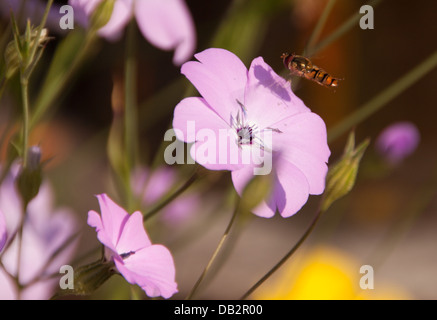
[346, 26]
[315, 35]
[25, 132]
[173, 196]
[130, 96]
[216, 252]
[384, 97]
[131, 113]
[20, 247]
[51, 91]
[286, 257]
[319, 27]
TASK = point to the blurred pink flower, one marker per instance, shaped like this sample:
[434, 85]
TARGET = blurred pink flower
[3, 233]
[33, 10]
[151, 186]
[45, 231]
[166, 24]
[261, 116]
[398, 141]
[127, 244]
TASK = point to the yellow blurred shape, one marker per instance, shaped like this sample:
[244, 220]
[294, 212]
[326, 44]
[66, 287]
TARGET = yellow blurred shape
[324, 274]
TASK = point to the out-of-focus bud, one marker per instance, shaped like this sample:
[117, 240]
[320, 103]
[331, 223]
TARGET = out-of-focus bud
[89, 278]
[102, 14]
[397, 141]
[18, 51]
[257, 190]
[342, 175]
[30, 177]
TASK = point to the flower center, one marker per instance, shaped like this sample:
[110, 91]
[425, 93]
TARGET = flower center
[127, 254]
[245, 135]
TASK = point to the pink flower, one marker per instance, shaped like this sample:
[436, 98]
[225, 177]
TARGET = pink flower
[166, 24]
[45, 232]
[398, 141]
[127, 244]
[151, 186]
[262, 118]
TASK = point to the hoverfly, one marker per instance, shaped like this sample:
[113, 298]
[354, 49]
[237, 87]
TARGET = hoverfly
[303, 67]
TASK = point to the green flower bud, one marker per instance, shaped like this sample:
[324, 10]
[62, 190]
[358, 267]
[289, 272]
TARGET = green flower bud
[102, 14]
[89, 278]
[30, 178]
[341, 177]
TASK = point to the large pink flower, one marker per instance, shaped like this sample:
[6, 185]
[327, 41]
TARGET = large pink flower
[258, 114]
[167, 24]
[127, 244]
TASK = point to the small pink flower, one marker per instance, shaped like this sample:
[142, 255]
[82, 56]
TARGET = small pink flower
[262, 117]
[127, 244]
[398, 141]
[167, 24]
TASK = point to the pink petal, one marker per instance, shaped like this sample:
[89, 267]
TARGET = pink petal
[133, 236]
[152, 268]
[167, 25]
[161, 181]
[193, 114]
[3, 233]
[220, 77]
[121, 15]
[291, 189]
[240, 179]
[303, 142]
[83, 10]
[265, 90]
[217, 150]
[215, 147]
[95, 221]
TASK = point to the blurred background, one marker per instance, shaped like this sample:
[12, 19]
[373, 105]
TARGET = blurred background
[389, 219]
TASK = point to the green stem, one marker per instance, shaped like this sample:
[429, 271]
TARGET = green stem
[131, 113]
[319, 27]
[346, 26]
[173, 196]
[25, 137]
[286, 257]
[314, 36]
[383, 98]
[217, 251]
[52, 91]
